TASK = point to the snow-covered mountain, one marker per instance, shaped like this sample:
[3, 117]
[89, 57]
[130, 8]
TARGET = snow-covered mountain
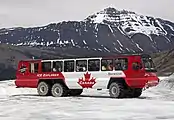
[107, 31]
[129, 22]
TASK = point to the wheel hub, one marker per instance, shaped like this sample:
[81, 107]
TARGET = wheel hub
[57, 91]
[42, 89]
[114, 91]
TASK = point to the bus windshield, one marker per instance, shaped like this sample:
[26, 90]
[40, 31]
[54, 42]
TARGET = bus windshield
[148, 64]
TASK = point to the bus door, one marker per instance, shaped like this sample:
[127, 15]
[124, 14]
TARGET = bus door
[32, 73]
[136, 67]
[135, 72]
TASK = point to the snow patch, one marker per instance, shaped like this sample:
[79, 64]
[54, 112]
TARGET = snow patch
[121, 49]
[168, 40]
[170, 27]
[96, 27]
[84, 42]
[72, 41]
[107, 49]
[117, 50]
[100, 49]
[110, 29]
[19, 44]
[119, 43]
[58, 40]
[139, 46]
[161, 27]
[99, 18]
[127, 49]
[95, 49]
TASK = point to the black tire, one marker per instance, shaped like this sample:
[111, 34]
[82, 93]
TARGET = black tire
[43, 89]
[75, 92]
[58, 90]
[116, 90]
[137, 92]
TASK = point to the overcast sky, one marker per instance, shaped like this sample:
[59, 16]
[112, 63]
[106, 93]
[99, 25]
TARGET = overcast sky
[41, 12]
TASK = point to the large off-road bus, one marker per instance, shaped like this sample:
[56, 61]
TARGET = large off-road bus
[122, 75]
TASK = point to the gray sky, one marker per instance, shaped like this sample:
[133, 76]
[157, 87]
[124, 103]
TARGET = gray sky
[41, 12]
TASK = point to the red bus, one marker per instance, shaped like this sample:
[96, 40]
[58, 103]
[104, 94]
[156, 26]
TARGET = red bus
[123, 75]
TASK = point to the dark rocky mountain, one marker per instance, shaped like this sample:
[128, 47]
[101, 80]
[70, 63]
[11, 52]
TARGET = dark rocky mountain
[10, 56]
[164, 62]
[107, 31]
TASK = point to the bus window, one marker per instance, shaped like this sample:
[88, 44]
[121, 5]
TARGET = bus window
[107, 65]
[121, 64]
[69, 66]
[148, 64]
[94, 65]
[81, 65]
[34, 67]
[23, 69]
[57, 66]
[46, 66]
[136, 66]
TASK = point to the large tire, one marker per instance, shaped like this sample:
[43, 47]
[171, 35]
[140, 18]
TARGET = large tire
[43, 89]
[75, 92]
[58, 90]
[116, 90]
[134, 93]
[137, 92]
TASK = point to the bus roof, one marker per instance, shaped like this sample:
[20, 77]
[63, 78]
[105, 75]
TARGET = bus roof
[91, 57]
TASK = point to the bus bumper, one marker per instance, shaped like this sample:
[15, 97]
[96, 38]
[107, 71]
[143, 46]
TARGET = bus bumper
[151, 83]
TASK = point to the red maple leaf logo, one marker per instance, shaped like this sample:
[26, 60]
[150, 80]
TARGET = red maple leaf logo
[86, 82]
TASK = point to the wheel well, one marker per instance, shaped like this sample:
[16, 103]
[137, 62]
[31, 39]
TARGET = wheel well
[120, 80]
[53, 81]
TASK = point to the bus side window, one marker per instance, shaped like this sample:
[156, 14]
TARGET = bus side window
[23, 69]
[34, 67]
[94, 65]
[69, 66]
[57, 66]
[106, 64]
[46, 66]
[136, 65]
[81, 65]
[121, 64]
